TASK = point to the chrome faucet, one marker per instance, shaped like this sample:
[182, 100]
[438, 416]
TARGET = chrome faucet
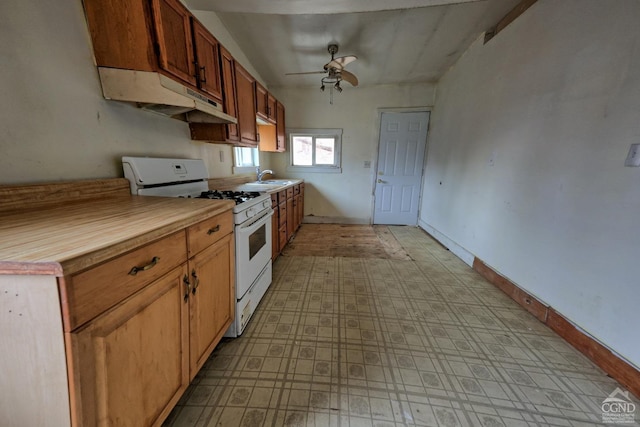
[263, 173]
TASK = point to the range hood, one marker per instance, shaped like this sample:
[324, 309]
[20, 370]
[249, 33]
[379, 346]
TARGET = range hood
[160, 94]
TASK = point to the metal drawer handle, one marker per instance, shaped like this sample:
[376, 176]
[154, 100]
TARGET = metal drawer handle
[149, 266]
[203, 75]
[196, 281]
[214, 229]
[187, 286]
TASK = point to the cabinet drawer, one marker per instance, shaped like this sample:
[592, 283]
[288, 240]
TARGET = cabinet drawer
[282, 196]
[289, 192]
[282, 214]
[209, 231]
[296, 189]
[92, 292]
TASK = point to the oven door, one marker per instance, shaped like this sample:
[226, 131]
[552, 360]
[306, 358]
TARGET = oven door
[253, 250]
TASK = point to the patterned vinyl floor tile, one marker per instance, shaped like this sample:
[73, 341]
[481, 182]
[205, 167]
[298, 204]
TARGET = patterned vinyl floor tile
[350, 342]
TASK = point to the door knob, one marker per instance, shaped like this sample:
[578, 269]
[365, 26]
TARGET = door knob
[381, 181]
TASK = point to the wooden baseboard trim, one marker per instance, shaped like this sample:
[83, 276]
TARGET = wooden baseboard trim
[613, 365]
[529, 302]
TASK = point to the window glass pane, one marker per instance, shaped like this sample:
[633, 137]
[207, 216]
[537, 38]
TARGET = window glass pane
[325, 151]
[247, 157]
[302, 150]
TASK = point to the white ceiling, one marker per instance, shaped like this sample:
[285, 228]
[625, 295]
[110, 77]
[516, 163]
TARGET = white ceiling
[401, 41]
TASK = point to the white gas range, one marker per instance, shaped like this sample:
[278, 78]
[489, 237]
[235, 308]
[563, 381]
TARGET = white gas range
[252, 217]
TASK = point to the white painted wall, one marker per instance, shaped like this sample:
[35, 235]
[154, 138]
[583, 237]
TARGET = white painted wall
[525, 162]
[345, 197]
[54, 122]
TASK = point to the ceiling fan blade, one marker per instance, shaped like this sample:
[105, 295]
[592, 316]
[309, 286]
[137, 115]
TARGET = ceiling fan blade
[349, 77]
[306, 72]
[344, 60]
[339, 63]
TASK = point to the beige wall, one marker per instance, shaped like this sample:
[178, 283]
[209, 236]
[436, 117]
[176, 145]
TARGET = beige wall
[345, 197]
[526, 156]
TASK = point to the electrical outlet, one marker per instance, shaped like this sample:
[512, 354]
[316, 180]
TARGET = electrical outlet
[367, 164]
[221, 156]
[633, 158]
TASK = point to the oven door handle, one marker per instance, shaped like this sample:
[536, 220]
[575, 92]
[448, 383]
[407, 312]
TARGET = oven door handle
[255, 223]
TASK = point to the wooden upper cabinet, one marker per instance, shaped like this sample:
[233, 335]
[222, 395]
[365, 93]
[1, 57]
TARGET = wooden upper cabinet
[222, 133]
[281, 137]
[156, 35]
[246, 103]
[121, 34]
[227, 64]
[265, 104]
[261, 102]
[173, 31]
[229, 89]
[271, 108]
[207, 53]
[273, 138]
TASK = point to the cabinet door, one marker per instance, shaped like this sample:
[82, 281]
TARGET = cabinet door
[212, 300]
[261, 102]
[121, 34]
[281, 143]
[130, 365]
[173, 30]
[271, 108]
[275, 239]
[208, 61]
[283, 237]
[296, 212]
[301, 204]
[282, 213]
[229, 91]
[290, 218]
[246, 102]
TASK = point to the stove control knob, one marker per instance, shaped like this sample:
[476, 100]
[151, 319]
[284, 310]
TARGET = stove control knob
[249, 212]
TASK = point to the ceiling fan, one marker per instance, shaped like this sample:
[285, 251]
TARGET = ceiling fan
[334, 70]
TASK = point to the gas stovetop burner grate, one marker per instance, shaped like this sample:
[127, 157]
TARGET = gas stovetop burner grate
[237, 196]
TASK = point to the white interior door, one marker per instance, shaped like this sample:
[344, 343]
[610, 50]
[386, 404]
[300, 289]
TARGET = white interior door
[403, 141]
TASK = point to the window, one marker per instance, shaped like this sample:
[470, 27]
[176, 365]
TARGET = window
[246, 159]
[315, 150]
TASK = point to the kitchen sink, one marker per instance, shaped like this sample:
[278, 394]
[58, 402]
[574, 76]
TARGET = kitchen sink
[257, 186]
[266, 185]
[278, 182]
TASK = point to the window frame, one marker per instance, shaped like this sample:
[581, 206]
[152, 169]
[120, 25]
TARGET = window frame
[336, 134]
[243, 168]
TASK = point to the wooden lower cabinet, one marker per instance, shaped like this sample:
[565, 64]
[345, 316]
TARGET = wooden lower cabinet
[275, 225]
[283, 237]
[288, 207]
[131, 363]
[299, 202]
[211, 301]
[290, 217]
